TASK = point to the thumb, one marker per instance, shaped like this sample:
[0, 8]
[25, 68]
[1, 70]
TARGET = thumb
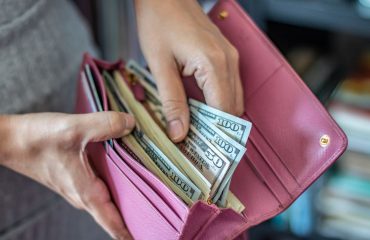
[101, 126]
[173, 98]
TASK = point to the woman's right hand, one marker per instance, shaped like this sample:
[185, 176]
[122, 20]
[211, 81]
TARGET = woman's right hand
[50, 148]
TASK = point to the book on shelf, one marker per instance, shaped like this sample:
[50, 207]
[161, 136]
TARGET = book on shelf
[344, 202]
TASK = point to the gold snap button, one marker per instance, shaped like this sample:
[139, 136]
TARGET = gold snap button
[223, 14]
[324, 140]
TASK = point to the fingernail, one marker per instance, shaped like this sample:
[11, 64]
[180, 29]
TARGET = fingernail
[175, 130]
[130, 121]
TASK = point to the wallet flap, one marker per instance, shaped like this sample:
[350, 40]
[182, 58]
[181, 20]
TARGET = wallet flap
[293, 139]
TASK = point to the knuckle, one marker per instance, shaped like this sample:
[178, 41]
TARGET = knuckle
[218, 57]
[173, 108]
[234, 53]
[70, 134]
[115, 121]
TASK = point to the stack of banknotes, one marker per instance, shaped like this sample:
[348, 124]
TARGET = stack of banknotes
[198, 168]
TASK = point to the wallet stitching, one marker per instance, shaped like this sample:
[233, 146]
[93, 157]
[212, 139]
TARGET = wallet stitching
[165, 187]
[156, 210]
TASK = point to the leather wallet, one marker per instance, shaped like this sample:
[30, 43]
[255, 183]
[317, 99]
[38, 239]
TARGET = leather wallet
[292, 142]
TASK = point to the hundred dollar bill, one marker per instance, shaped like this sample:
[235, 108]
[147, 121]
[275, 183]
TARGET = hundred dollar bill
[235, 127]
[153, 159]
[233, 150]
[159, 138]
[225, 144]
[167, 167]
[205, 157]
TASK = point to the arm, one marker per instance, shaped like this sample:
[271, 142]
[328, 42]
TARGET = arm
[178, 39]
[50, 148]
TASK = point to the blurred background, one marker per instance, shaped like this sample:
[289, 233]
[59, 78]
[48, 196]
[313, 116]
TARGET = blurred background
[328, 44]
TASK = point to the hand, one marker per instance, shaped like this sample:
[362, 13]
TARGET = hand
[50, 148]
[177, 38]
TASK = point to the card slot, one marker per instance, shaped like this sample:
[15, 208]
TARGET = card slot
[146, 191]
[263, 170]
[95, 66]
[272, 158]
[135, 208]
[252, 190]
[138, 209]
[234, 225]
[99, 83]
[166, 194]
[200, 215]
[84, 100]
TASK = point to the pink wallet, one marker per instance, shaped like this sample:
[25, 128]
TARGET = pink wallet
[292, 142]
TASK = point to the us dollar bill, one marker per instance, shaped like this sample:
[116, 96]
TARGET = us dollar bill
[154, 159]
[235, 127]
[233, 150]
[211, 163]
[153, 131]
[225, 144]
[167, 167]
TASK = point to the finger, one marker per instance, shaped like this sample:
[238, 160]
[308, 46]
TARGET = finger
[213, 77]
[102, 126]
[174, 101]
[105, 212]
[239, 95]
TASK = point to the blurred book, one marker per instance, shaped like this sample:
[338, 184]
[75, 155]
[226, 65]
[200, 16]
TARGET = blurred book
[355, 163]
[345, 207]
[355, 122]
[355, 90]
[344, 202]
